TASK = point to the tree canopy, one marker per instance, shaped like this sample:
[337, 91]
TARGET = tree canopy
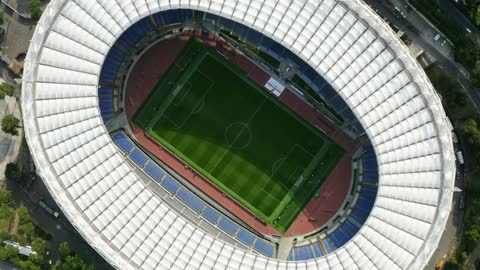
[10, 124]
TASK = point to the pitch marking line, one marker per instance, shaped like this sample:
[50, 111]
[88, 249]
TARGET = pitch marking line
[194, 109]
[288, 189]
[238, 135]
[183, 94]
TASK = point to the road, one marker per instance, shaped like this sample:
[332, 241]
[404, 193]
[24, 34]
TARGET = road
[424, 38]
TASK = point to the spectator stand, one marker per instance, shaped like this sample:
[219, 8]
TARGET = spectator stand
[187, 203]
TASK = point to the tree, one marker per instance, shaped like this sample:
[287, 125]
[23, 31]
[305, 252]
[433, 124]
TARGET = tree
[74, 263]
[23, 215]
[21, 239]
[4, 236]
[64, 249]
[5, 196]
[1, 18]
[473, 234]
[12, 171]
[8, 89]
[10, 124]
[472, 132]
[27, 228]
[11, 252]
[35, 9]
[39, 245]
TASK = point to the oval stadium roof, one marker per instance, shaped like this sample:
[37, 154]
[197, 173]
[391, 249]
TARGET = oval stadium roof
[344, 41]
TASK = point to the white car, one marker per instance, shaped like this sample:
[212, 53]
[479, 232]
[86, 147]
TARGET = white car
[468, 30]
[443, 43]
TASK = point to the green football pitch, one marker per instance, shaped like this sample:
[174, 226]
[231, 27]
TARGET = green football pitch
[210, 114]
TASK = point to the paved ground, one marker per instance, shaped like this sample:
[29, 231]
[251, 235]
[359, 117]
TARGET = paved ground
[19, 32]
[9, 145]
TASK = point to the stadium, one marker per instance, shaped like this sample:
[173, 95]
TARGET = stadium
[238, 134]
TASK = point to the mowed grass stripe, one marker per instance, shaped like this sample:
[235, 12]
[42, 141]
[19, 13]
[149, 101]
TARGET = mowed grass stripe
[238, 136]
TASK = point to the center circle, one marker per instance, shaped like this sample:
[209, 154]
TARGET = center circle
[238, 135]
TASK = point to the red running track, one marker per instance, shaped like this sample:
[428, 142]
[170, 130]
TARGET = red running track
[318, 211]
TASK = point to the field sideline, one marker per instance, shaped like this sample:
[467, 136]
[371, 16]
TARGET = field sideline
[208, 113]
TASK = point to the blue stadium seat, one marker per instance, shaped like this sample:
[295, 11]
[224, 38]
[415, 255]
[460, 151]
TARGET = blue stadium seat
[123, 142]
[358, 215]
[352, 228]
[239, 30]
[304, 253]
[277, 49]
[264, 247]
[317, 248]
[106, 78]
[338, 103]
[365, 204]
[371, 178]
[348, 115]
[105, 91]
[368, 191]
[170, 184]
[106, 105]
[324, 89]
[291, 256]
[254, 37]
[171, 16]
[190, 199]
[266, 43]
[148, 24]
[228, 226]
[154, 171]
[246, 237]
[339, 237]
[185, 14]
[368, 150]
[158, 19]
[370, 165]
[211, 17]
[225, 23]
[327, 243]
[106, 118]
[116, 53]
[310, 73]
[211, 215]
[138, 157]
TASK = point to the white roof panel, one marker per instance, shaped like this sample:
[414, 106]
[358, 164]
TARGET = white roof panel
[350, 47]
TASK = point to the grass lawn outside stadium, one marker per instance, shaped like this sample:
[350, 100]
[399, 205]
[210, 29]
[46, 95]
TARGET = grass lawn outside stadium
[208, 112]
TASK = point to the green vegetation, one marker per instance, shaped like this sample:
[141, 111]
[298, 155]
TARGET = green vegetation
[467, 52]
[12, 171]
[10, 124]
[35, 9]
[6, 89]
[69, 260]
[466, 122]
[243, 139]
[29, 234]
[6, 216]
